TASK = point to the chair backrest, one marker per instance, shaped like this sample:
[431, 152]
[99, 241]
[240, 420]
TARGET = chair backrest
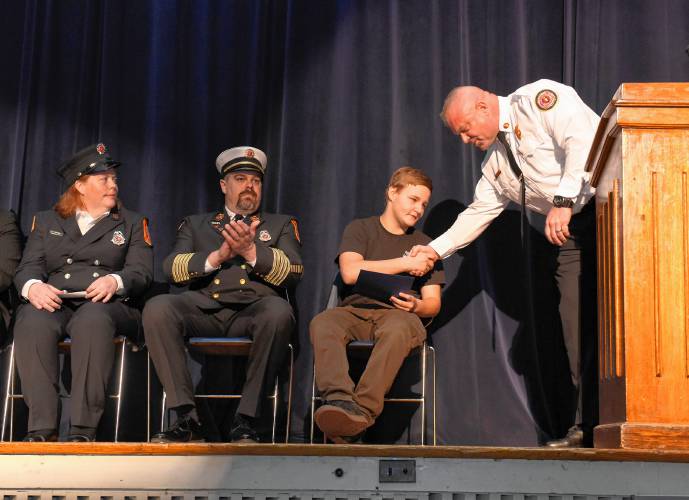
[337, 291]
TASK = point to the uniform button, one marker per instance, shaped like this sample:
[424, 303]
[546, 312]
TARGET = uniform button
[67, 276]
[69, 260]
[242, 281]
[96, 262]
[216, 295]
[216, 281]
[95, 275]
[243, 266]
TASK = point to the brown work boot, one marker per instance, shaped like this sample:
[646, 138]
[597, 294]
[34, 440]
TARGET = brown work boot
[341, 418]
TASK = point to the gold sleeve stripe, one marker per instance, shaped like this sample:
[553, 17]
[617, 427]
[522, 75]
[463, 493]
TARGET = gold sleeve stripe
[33, 223]
[180, 267]
[280, 270]
[296, 268]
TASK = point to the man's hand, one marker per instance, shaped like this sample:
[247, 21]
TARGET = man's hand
[428, 254]
[102, 289]
[44, 296]
[405, 302]
[557, 225]
[224, 252]
[241, 238]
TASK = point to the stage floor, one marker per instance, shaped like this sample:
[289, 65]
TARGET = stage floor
[143, 471]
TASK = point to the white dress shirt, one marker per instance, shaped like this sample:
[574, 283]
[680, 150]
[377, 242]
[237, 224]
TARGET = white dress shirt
[550, 146]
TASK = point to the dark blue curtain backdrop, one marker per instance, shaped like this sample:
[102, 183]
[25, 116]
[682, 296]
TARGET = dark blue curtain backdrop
[339, 94]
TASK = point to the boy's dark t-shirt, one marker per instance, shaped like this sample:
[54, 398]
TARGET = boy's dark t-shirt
[370, 239]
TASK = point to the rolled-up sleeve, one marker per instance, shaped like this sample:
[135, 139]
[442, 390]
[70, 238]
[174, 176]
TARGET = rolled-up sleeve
[487, 205]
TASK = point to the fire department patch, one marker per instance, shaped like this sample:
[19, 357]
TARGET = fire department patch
[147, 235]
[296, 229]
[118, 238]
[546, 99]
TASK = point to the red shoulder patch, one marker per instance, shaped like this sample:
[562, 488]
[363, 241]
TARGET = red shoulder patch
[147, 235]
[546, 99]
[295, 226]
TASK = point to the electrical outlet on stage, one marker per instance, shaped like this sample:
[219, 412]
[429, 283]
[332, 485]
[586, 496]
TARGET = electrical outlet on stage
[397, 471]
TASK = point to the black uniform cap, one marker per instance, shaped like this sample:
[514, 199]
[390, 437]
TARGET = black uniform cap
[90, 160]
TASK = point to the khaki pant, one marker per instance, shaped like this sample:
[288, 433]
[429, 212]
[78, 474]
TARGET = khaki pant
[395, 333]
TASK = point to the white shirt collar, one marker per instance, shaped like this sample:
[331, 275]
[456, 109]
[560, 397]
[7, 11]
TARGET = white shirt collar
[505, 124]
[86, 221]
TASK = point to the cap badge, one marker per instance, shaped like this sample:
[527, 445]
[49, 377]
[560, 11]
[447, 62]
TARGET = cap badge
[264, 236]
[101, 149]
[546, 99]
[118, 238]
[249, 153]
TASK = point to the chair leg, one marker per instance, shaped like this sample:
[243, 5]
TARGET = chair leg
[148, 396]
[120, 379]
[162, 413]
[9, 395]
[432, 350]
[275, 406]
[313, 398]
[289, 392]
[423, 394]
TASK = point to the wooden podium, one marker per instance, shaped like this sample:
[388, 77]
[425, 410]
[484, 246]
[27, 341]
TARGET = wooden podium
[640, 167]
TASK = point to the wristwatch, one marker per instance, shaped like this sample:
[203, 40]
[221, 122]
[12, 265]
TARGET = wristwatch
[562, 202]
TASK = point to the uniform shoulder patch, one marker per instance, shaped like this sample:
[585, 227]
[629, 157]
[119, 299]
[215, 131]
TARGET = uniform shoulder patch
[147, 235]
[295, 226]
[546, 99]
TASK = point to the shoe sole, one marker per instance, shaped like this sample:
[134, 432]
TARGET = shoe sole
[335, 422]
[165, 441]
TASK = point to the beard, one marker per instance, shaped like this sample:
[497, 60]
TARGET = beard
[247, 201]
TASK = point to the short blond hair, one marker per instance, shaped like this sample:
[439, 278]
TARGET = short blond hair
[404, 176]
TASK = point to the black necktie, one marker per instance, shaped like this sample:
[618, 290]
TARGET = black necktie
[510, 157]
[518, 173]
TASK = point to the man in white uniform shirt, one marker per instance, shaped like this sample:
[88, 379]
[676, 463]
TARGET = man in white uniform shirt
[539, 135]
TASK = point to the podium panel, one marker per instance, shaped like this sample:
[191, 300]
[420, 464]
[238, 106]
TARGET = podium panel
[640, 168]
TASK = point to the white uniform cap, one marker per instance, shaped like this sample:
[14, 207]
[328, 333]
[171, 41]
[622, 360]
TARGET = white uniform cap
[241, 158]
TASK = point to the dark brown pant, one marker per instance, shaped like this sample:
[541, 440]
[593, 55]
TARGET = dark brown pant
[395, 333]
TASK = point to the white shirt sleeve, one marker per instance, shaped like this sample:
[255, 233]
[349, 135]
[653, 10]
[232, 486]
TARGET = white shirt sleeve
[573, 126]
[27, 285]
[120, 283]
[207, 268]
[487, 205]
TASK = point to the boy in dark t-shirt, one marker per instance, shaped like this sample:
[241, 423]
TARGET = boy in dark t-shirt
[378, 244]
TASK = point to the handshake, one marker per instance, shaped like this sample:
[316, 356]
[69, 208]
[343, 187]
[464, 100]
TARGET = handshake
[420, 259]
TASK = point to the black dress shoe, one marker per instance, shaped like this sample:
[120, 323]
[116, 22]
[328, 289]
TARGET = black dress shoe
[243, 430]
[42, 436]
[184, 430]
[80, 438]
[573, 439]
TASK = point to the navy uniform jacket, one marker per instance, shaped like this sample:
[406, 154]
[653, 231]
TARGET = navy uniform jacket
[278, 259]
[10, 254]
[57, 253]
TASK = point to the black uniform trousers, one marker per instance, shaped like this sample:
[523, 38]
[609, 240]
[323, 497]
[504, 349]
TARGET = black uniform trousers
[92, 327]
[169, 319]
[573, 266]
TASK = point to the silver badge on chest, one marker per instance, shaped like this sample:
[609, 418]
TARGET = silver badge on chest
[118, 238]
[264, 236]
